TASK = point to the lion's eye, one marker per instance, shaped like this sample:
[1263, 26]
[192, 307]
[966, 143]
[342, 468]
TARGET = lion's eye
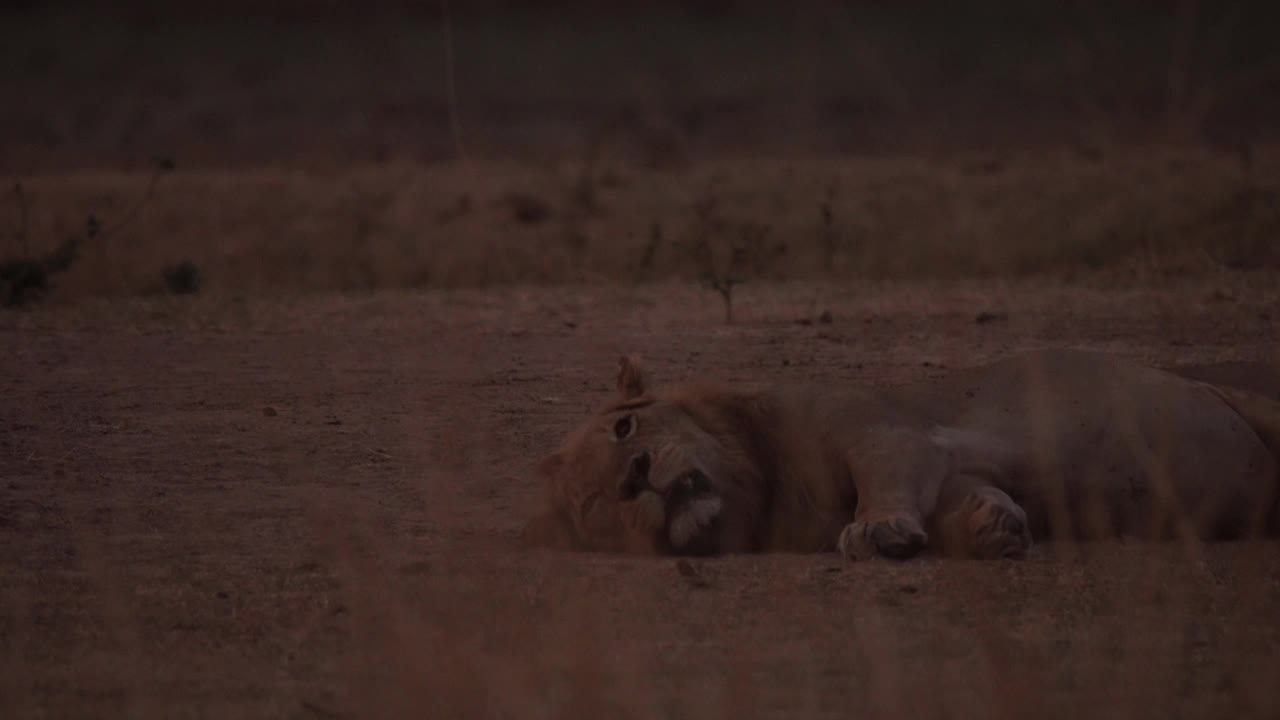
[624, 427]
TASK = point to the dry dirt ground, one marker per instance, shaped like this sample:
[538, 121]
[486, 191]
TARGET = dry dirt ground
[308, 507]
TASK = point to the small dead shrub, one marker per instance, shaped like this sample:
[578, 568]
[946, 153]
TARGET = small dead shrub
[26, 277]
[528, 209]
[183, 278]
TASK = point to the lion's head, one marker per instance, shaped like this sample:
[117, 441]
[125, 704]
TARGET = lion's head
[655, 473]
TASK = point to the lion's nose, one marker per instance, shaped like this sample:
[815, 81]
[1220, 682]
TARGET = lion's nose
[637, 477]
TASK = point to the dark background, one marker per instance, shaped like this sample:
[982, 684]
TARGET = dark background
[232, 83]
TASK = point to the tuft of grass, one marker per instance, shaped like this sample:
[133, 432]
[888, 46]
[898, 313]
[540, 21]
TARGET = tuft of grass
[528, 209]
[183, 278]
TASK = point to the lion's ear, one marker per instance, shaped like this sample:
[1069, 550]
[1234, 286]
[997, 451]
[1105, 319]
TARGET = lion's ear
[549, 529]
[631, 381]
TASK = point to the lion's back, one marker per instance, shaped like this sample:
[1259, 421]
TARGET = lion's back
[1117, 443]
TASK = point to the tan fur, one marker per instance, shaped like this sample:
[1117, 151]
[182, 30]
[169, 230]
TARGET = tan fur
[1051, 444]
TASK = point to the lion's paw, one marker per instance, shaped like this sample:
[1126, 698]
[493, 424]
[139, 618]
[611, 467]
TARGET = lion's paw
[998, 526]
[897, 537]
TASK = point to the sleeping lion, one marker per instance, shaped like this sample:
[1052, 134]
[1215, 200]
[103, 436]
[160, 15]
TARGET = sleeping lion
[1040, 446]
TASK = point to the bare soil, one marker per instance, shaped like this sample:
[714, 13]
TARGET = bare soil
[308, 506]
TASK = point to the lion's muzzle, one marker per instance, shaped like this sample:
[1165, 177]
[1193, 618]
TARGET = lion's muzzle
[684, 510]
[692, 509]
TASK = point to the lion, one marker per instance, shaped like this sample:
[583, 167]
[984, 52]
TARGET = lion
[1040, 446]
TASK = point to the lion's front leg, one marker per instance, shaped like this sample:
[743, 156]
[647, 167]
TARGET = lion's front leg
[897, 474]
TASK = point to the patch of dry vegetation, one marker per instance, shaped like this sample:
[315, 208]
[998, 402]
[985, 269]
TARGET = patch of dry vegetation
[1161, 210]
[26, 276]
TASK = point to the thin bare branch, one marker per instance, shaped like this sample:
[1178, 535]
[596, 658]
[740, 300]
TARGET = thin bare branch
[95, 231]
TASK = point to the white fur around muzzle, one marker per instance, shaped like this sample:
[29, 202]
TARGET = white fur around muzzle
[692, 518]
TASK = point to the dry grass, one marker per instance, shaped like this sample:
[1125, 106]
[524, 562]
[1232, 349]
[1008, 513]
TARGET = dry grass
[1005, 214]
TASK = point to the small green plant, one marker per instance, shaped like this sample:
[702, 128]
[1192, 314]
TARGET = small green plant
[728, 252]
[26, 278]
